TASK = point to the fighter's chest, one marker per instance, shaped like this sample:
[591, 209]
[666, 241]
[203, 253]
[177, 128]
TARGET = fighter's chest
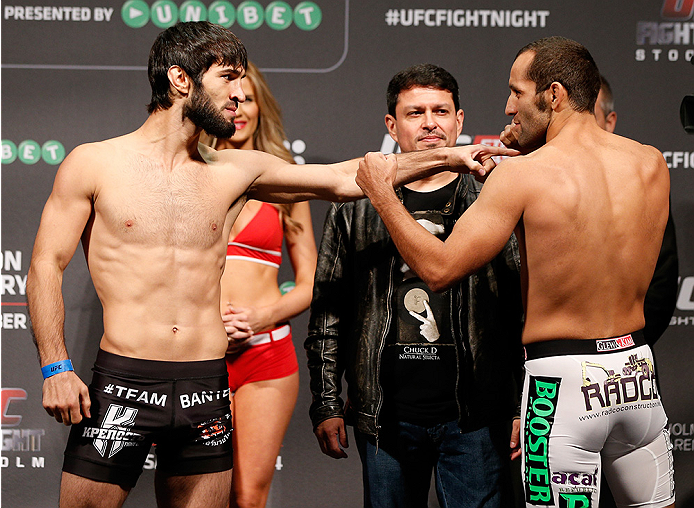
[186, 207]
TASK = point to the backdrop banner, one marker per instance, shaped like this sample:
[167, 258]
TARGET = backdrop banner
[76, 72]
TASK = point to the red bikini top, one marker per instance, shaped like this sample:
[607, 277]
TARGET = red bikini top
[261, 240]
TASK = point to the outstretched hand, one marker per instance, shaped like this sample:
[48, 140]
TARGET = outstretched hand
[477, 159]
[376, 173]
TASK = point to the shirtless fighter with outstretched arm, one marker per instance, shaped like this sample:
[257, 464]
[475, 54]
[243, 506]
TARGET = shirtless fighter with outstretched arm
[589, 209]
[154, 213]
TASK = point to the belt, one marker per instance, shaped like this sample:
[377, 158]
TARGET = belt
[273, 335]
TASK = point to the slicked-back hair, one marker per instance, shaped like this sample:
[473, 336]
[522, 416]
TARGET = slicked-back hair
[195, 47]
[424, 75]
[566, 62]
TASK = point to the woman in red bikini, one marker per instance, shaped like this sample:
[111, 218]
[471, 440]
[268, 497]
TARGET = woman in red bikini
[263, 370]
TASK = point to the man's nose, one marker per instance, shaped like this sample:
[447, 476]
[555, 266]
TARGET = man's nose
[510, 107]
[237, 93]
[429, 121]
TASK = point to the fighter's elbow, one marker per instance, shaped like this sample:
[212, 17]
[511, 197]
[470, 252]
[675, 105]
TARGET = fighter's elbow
[438, 279]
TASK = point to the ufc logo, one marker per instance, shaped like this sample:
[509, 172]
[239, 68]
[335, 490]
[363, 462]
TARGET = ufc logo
[8, 395]
[677, 9]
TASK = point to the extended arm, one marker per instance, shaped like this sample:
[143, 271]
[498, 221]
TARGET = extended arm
[64, 217]
[275, 180]
[478, 236]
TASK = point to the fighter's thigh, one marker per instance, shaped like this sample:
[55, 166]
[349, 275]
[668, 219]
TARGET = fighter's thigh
[262, 411]
[210, 490]
[643, 476]
[77, 492]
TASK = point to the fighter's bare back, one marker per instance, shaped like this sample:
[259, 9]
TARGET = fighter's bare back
[595, 208]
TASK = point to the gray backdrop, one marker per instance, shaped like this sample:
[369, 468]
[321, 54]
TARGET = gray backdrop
[75, 72]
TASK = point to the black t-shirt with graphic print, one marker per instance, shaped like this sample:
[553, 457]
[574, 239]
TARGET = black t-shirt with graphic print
[418, 365]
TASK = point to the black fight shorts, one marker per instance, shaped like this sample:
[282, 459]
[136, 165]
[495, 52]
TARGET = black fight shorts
[181, 407]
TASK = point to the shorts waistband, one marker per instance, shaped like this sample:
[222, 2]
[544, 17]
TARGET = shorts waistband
[584, 346]
[159, 369]
[279, 333]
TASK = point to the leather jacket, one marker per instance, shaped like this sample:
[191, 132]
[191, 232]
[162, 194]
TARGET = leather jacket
[352, 310]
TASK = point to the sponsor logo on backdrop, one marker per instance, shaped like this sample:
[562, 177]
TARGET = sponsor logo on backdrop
[467, 18]
[30, 152]
[682, 436]
[57, 13]
[666, 39]
[685, 303]
[679, 160]
[250, 15]
[297, 148]
[16, 439]
[13, 291]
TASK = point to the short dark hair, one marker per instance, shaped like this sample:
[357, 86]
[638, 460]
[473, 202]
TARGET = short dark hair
[607, 103]
[424, 75]
[566, 62]
[195, 47]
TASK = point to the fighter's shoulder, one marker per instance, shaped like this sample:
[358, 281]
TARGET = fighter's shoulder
[523, 163]
[654, 155]
[234, 157]
[88, 157]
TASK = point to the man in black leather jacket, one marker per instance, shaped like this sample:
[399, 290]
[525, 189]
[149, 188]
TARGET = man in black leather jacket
[431, 378]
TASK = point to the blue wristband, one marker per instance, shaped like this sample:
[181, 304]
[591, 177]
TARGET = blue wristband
[56, 368]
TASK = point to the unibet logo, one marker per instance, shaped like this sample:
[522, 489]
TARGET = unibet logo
[30, 152]
[249, 14]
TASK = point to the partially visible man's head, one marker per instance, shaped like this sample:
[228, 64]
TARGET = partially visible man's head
[423, 108]
[567, 62]
[605, 114]
[194, 47]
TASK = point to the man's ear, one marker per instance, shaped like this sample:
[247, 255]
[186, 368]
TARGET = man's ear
[557, 96]
[611, 121]
[459, 117]
[180, 81]
[392, 129]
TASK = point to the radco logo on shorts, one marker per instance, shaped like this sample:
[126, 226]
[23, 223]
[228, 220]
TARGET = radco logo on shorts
[636, 383]
[249, 14]
[30, 152]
